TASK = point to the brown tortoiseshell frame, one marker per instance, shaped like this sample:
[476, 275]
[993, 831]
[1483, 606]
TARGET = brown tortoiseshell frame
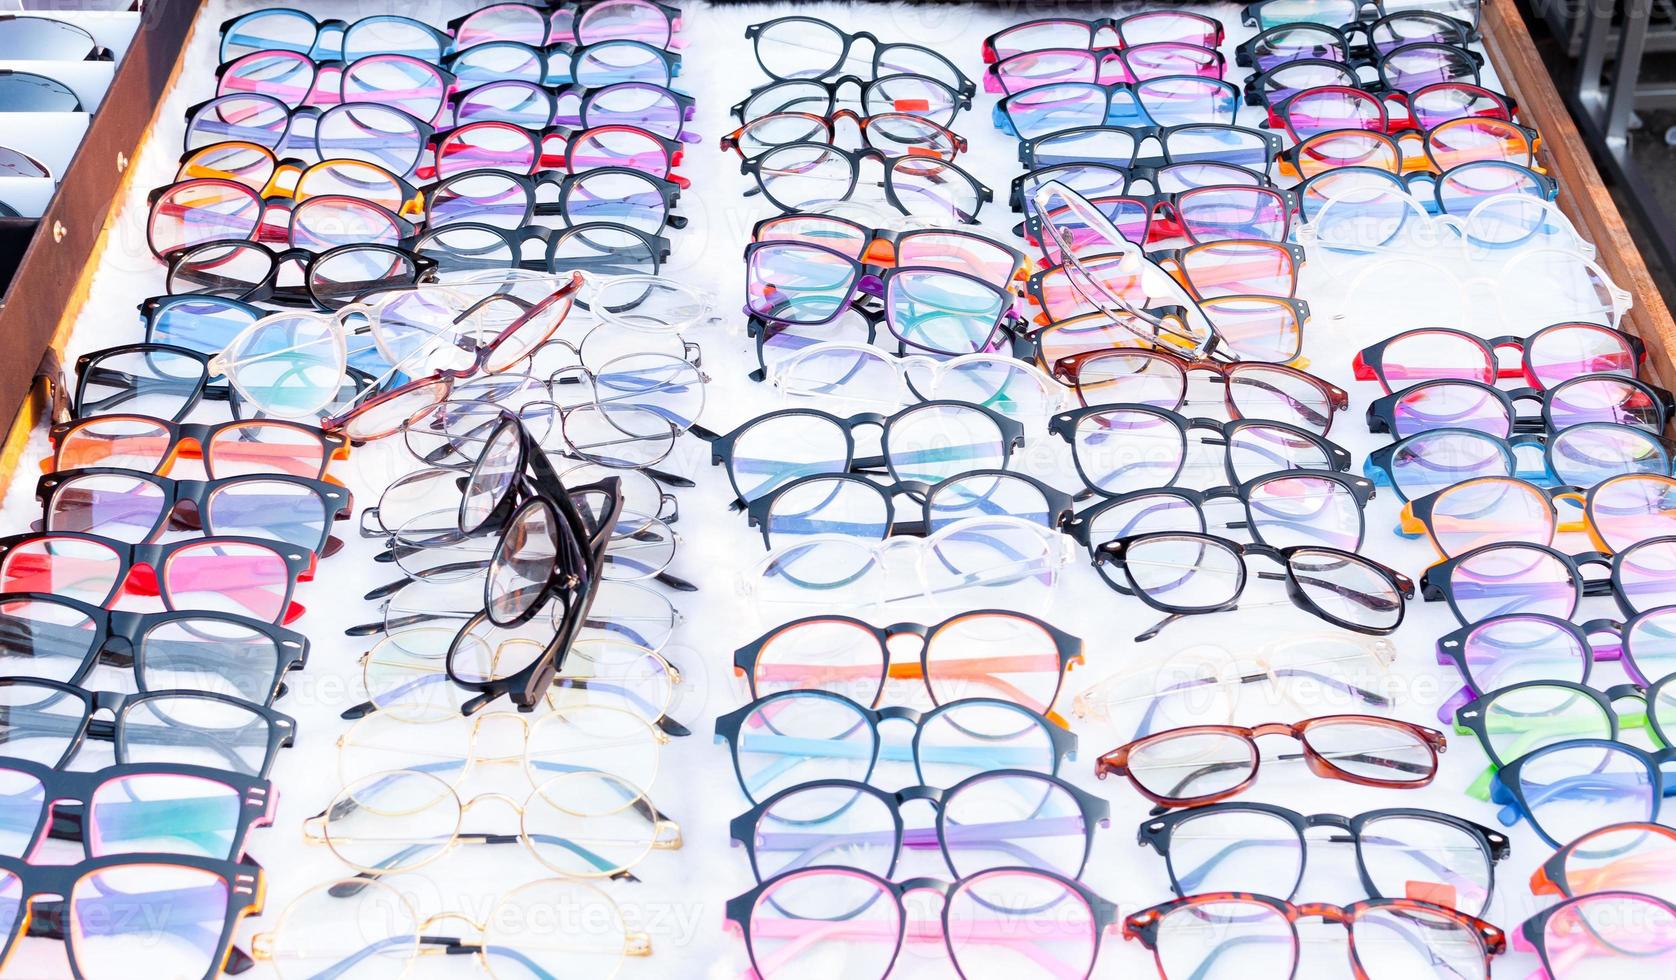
[1068, 370]
[1116, 762]
[1143, 925]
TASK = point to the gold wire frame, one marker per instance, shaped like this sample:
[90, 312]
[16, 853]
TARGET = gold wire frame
[663, 835]
[270, 946]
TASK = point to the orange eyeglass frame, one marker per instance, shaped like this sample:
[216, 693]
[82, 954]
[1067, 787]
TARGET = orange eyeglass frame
[187, 441]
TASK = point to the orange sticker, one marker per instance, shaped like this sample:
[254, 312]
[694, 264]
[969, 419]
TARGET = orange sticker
[1428, 891]
[912, 105]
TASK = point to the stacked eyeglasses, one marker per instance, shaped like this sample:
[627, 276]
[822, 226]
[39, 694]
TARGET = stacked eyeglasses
[1615, 908]
[355, 251]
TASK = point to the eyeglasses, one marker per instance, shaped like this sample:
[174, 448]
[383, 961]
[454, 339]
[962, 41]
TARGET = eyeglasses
[803, 48]
[497, 145]
[227, 449]
[1282, 509]
[579, 737]
[1359, 191]
[932, 248]
[1581, 455]
[624, 413]
[1292, 42]
[617, 195]
[987, 821]
[279, 28]
[413, 85]
[793, 738]
[1115, 275]
[1203, 215]
[1631, 857]
[246, 576]
[1007, 655]
[596, 64]
[891, 133]
[1511, 577]
[209, 209]
[1064, 32]
[1204, 685]
[1014, 920]
[603, 248]
[127, 505]
[1315, 111]
[337, 925]
[446, 322]
[1184, 574]
[157, 380]
[1027, 70]
[1001, 561]
[580, 824]
[867, 376]
[1157, 378]
[1399, 852]
[934, 310]
[1484, 408]
[1121, 147]
[1445, 146]
[928, 442]
[1250, 328]
[48, 722]
[1403, 69]
[257, 168]
[807, 176]
[915, 94]
[62, 639]
[1191, 936]
[1272, 13]
[368, 131]
[1610, 930]
[1570, 788]
[1103, 180]
[798, 357]
[1122, 449]
[210, 811]
[1167, 101]
[232, 271]
[1209, 763]
[172, 914]
[1551, 356]
[1526, 717]
[587, 21]
[1617, 513]
[642, 105]
[851, 505]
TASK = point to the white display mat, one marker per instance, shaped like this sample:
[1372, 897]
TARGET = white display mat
[682, 893]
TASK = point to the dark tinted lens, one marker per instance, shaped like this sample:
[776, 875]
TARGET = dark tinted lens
[523, 563]
[16, 164]
[26, 92]
[42, 39]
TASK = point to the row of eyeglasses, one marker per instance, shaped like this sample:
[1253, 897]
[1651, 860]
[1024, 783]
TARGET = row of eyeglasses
[532, 366]
[1420, 145]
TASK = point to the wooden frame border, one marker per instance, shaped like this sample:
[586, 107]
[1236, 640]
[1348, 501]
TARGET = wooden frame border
[51, 286]
[1583, 195]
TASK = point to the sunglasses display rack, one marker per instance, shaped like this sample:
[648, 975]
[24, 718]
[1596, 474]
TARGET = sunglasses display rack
[616, 489]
